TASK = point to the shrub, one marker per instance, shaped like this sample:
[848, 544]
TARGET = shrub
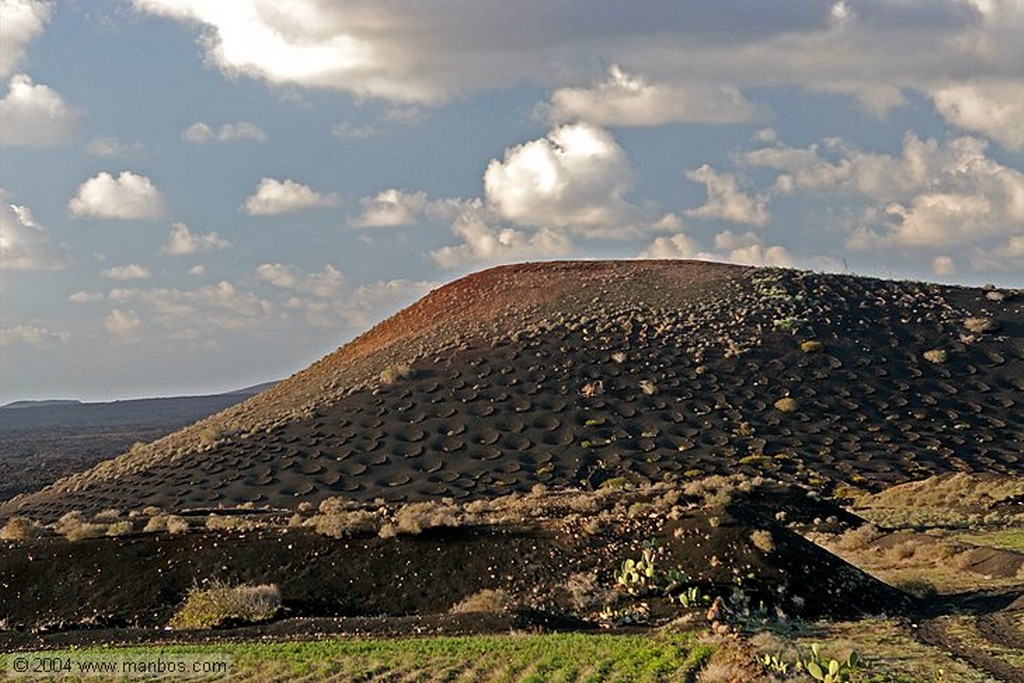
[786, 404]
[110, 515]
[918, 588]
[487, 600]
[176, 525]
[811, 346]
[19, 529]
[762, 540]
[859, 538]
[414, 518]
[222, 604]
[981, 325]
[935, 356]
[172, 524]
[393, 373]
[229, 522]
[648, 387]
[715, 490]
[73, 527]
[585, 592]
[345, 523]
[122, 528]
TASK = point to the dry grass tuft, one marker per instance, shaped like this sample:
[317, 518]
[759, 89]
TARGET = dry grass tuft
[345, 523]
[20, 529]
[415, 518]
[763, 541]
[487, 600]
[73, 527]
[172, 524]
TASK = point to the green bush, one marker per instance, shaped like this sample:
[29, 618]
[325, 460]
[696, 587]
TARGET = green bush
[221, 604]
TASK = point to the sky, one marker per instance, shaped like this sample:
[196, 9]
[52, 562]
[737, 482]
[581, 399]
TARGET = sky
[196, 196]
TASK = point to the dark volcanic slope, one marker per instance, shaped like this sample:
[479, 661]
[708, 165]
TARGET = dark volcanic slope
[693, 358]
[42, 441]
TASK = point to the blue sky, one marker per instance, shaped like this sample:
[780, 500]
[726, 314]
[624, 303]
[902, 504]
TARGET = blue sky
[196, 196]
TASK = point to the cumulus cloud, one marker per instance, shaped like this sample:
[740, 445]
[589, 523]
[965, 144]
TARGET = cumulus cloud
[131, 271]
[200, 133]
[84, 297]
[24, 243]
[30, 335]
[628, 100]
[994, 109]
[327, 283]
[678, 246]
[929, 195]
[278, 274]
[542, 193]
[122, 323]
[181, 241]
[127, 197]
[274, 197]
[351, 308]
[726, 201]
[746, 249]
[112, 147]
[390, 208]
[486, 241]
[201, 313]
[36, 115]
[576, 177]
[20, 22]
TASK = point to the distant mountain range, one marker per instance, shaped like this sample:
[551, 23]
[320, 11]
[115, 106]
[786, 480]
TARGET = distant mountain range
[41, 441]
[72, 413]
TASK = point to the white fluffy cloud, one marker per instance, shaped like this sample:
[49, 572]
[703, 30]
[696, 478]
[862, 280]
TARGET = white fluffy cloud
[726, 201]
[628, 100]
[678, 246]
[20, 22]
[24, 243]
[201, 313]
[746, 249]
[575, 178]
[122, 323]
[274, 197]
[201, 133]
[931, 195]
[181, 241]
[328, 283]
[278, 274]
[994, 109]
[131, 271]
[390, 208]
[127, 197]
[36, 115]
[571, 182]
[486, 241]
[30, 335]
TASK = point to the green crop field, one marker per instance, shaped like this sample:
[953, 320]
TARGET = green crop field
[511, 658]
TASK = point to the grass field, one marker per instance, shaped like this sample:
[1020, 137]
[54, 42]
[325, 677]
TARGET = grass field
[505, 658]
